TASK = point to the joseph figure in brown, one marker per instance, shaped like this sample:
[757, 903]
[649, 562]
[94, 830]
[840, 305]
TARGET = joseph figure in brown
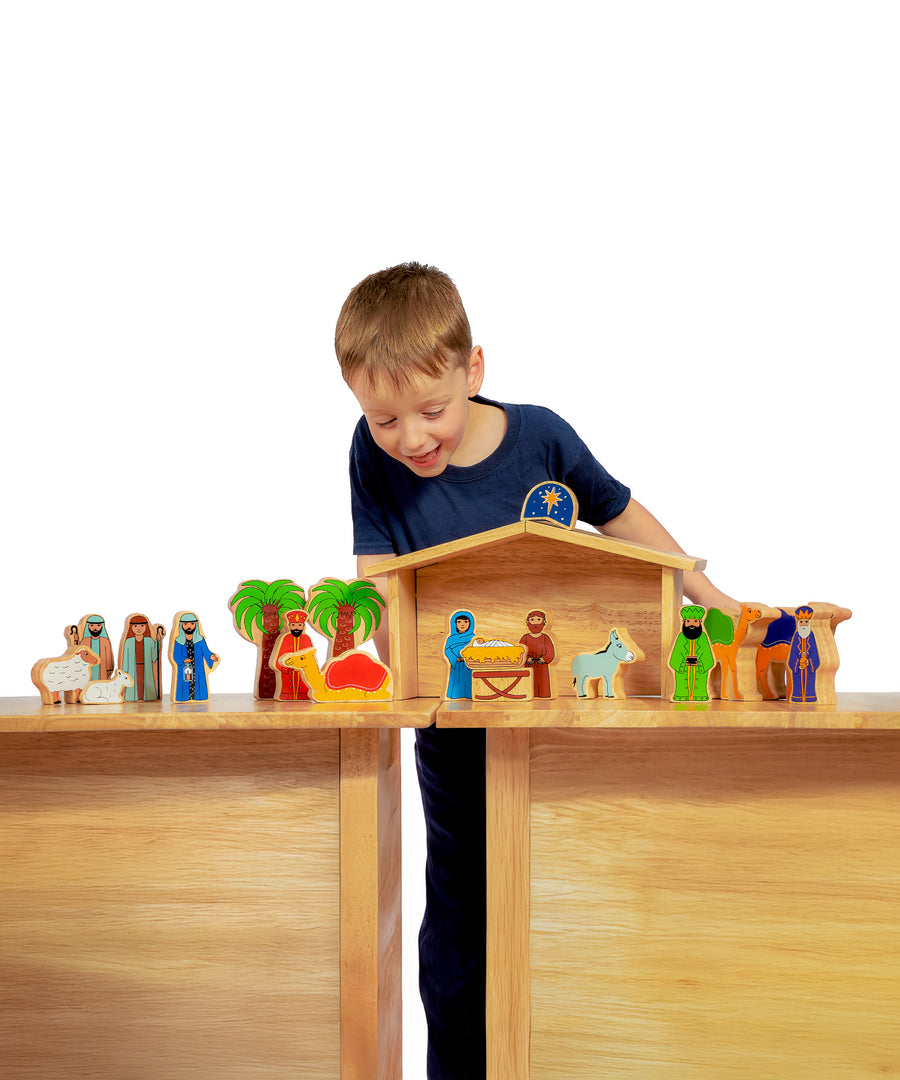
[540, 652]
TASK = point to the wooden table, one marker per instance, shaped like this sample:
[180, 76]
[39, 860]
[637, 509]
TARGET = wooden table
[692, 892]
[203, 890]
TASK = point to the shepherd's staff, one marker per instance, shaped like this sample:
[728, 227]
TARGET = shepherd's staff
[160, 634]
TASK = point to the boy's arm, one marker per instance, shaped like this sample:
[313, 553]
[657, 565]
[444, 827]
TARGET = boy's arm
[380, 637]
[637, 524]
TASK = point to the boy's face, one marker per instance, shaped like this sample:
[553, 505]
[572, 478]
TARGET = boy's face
[426, 425]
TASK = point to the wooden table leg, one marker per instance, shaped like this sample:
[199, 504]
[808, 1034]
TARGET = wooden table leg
[508, 1002]
[371, 1024]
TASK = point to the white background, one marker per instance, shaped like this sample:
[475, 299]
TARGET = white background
[675, 223]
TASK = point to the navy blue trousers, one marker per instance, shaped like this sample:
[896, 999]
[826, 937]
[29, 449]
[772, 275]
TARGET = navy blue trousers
[450, 765]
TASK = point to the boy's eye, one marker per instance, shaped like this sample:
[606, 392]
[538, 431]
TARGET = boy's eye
[433, 414]
[384, 423]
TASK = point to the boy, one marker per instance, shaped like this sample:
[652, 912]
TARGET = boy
[432, 461]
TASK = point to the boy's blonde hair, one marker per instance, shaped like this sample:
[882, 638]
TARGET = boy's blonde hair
[400, 324]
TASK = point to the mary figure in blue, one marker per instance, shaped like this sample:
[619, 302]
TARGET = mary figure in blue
[462, 630]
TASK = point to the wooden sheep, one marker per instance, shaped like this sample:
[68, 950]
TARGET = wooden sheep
[107, 691]
[66, 675]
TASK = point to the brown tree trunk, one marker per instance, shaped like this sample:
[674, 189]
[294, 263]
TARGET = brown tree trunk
[268, 681]
[343, 637]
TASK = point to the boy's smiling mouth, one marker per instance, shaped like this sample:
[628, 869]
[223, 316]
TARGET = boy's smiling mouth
[423, 461]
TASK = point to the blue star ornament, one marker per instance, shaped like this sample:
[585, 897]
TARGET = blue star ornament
[553, 502]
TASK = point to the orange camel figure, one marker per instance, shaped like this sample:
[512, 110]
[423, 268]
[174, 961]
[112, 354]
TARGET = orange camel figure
[775, 649]
[726, 651]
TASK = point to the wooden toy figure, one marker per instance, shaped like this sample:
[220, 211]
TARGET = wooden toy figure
[726, 640]
[295, 640]
[258, 609]
[605, 666]
[539, 653]
[190, 658]
[462, 631]
[67, 675]
[497, 669]
[92, 632]
[772, 655]
[107, 691]
[352, 676]
[803, 658]
[692, 656]
[826, 619]
[798, 657]
[140, 654]
[345, 612]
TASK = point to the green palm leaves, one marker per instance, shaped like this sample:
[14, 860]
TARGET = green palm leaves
[345, 606]
[255, 603]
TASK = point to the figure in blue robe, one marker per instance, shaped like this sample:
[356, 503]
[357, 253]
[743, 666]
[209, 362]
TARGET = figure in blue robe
[462, 630]
[192, 657]
[803, 661]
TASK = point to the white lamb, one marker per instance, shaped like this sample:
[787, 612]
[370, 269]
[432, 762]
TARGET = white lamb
[107, 691]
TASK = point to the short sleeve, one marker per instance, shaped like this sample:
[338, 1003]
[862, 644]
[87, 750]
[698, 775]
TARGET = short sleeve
[601, 497]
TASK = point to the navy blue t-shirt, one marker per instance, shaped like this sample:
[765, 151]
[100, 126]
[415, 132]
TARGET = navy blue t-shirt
[394, 510]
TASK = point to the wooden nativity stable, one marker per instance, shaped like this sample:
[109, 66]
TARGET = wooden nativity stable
[587, 584]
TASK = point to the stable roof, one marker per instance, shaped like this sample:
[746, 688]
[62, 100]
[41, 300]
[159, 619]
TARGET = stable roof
[509, 534]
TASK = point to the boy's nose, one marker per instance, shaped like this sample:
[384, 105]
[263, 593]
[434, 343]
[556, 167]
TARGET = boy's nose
[413, 439]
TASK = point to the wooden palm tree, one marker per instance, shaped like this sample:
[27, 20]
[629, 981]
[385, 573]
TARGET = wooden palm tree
[338, 609]
[258, 609]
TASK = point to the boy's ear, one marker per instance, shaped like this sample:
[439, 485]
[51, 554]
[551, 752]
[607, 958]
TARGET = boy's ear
[475, 374]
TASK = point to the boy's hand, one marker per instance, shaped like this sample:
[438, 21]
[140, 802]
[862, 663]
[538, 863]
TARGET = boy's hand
[700, 590]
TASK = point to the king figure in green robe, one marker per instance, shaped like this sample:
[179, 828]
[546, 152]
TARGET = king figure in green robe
[692, 656]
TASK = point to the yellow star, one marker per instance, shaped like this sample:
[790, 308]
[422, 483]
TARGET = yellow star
[551, 498]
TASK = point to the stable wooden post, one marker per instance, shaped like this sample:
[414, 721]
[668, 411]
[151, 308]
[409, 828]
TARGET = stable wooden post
[402, 634]
[670, 623]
